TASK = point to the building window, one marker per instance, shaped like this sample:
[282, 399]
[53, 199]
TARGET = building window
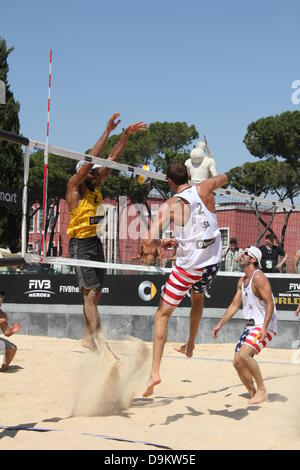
[225, 238]
[31, 220]
[39, 219]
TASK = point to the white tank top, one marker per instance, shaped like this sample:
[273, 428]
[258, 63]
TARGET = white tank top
[199, 240]
[255, 308]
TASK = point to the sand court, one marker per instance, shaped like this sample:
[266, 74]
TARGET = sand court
[69, 398]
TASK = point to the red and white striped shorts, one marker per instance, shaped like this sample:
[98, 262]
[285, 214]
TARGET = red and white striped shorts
[251, 337]
[181, 280]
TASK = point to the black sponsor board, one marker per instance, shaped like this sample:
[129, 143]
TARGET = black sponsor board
[131, 290]
[10, 197]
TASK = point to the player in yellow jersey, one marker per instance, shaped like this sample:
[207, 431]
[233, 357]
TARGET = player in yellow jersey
[84, 201]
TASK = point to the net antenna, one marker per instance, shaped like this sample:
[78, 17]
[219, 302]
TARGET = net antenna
[46, 151]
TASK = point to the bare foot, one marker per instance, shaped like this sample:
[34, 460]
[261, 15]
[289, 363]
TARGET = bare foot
[259, 397]
[151, 384]
[186, 349]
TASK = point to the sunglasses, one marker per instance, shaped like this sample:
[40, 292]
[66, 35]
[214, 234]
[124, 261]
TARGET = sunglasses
[247, 253]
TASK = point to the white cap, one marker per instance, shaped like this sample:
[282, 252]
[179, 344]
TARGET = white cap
[82, 162]
[197, 155]
[255, 252]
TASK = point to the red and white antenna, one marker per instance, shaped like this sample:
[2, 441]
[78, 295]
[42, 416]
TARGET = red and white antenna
[43, 240]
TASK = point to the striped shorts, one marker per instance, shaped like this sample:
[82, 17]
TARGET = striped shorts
[180, 281]
[251, 337]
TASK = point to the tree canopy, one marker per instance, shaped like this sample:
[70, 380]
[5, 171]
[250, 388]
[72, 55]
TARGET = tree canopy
[276, 136]
[266, 177]
[11, 161]
[162, 143]
[275, 140]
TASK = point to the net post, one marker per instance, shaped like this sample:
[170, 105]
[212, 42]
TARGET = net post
[24, 199]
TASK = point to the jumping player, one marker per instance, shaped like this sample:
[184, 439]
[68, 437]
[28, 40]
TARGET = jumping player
[192, 209]
[84, 201]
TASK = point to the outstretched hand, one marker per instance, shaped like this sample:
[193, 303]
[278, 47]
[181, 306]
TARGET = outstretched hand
[15, 327]
[111, 125]
[215, 331]
[137, 127]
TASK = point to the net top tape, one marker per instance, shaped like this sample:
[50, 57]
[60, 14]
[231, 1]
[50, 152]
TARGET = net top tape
[36, 145]
[154, 175]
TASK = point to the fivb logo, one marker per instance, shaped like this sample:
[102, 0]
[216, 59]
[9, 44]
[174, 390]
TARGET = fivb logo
[147, 291]
[39, 288]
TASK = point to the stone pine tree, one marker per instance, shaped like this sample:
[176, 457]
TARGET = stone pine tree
[275, 140]
[11, 160]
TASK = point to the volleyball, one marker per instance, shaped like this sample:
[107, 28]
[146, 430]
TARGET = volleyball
[140, 178]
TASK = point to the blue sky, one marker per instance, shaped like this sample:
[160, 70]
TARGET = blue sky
[219, 65]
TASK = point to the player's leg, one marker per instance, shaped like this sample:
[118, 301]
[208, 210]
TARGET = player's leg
[10, 352]
[244, 374]
[91, 316]
[208, 274]
[249, 367]
[162, 316]
[195, 318]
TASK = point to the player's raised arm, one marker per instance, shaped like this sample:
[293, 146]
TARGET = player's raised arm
[112, 124]
[118, 149]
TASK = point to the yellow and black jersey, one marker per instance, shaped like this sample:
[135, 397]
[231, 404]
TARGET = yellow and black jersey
[85, 217]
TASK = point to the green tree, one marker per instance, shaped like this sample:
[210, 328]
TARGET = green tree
[162, 143]
[60, 169]
[262, 179]
[276, 136]
[11, 161]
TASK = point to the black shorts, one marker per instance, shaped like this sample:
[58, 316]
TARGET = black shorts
[88, 249]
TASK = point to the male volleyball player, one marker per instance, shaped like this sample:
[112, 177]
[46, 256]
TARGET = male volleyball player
[151, 258]
[199, 247]
[84, 201]
[255, 294]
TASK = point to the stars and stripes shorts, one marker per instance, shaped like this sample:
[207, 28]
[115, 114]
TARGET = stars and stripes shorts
[181, 280]
[251, 337]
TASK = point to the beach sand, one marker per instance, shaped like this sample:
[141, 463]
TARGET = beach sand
[93, 402]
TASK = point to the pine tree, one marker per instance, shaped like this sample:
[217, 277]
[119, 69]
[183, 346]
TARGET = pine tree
[11, 160]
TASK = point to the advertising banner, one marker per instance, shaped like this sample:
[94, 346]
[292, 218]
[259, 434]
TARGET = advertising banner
[10, 197]
[131, 290]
